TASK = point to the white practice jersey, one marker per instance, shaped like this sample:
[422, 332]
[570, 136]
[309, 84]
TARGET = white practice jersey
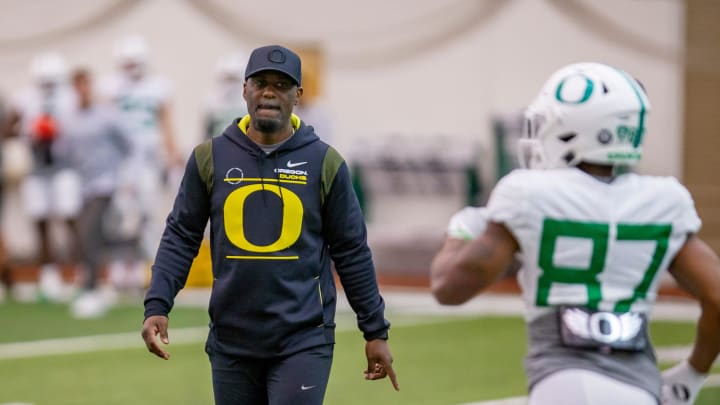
[139, 102]
[590, 243]
[222, 108]
[31, 103]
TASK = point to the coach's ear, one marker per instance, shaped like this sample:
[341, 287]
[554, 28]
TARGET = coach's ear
[298, 94]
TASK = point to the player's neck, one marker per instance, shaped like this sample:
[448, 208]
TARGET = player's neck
[596, 170]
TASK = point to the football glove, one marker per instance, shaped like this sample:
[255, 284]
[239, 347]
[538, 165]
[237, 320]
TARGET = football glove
[681, 384]
[468, 223]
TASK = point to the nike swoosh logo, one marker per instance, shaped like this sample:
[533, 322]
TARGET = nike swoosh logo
[308, 387]
[291, 164]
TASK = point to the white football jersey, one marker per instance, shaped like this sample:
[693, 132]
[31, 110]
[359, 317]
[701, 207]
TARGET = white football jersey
[31, 103]
[590, 243]
[222, 107]
[139, 102]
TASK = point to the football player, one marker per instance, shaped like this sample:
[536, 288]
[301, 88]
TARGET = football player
[50, 189]
[594, 244]
[143, 99]
[226, 101]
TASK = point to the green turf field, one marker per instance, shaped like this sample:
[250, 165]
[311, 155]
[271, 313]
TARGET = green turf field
[439, 360]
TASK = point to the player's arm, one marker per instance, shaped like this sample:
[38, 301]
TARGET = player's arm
[697, 270]
[166, 129]
[464, 226]
[11, 127]
[462, 269]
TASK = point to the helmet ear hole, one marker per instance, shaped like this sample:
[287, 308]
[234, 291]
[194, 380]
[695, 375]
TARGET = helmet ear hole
[605, 89]
[569, 157]
[567, 137]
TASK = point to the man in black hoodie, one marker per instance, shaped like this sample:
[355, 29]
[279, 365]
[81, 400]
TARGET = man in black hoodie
[281, 208]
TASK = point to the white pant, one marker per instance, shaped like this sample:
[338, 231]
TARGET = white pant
[584, 387]
[52, 195]
[139, 201]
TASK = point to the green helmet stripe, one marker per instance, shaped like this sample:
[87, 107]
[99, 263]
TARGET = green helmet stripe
[641, 122]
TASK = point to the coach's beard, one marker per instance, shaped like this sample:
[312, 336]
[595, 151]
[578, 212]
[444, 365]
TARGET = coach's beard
[266, 126]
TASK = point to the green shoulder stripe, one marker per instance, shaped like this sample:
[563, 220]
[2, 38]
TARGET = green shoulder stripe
[330, 166]
[204, 160]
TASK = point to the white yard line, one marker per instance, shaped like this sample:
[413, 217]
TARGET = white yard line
[83, 344]
[502, 401]
[673, 354]
[420, 301]
[405, 302]
[132, 340]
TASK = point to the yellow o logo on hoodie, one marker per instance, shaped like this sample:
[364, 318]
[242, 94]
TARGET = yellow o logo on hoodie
[235, 227]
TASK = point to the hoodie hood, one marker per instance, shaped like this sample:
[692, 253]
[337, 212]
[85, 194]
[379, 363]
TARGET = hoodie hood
[236, 132]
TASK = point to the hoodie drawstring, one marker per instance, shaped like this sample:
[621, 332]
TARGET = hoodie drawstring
[277, 176]
[258, 161]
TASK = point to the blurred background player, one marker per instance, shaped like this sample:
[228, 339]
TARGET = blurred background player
[594, 244]
[4, 272]
[144, 103]
[96, 145]
[38, 116]
[311, 107]
[226, 102]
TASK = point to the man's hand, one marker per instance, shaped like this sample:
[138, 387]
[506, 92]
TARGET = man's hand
[154, 325]
[379, 362]
[681, 384]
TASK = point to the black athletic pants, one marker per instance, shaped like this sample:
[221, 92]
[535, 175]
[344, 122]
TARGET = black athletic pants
[297, 379]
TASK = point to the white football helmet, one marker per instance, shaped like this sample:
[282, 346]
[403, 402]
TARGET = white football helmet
[131, 55]
[231, 66]
[49, 68]
[585, 112]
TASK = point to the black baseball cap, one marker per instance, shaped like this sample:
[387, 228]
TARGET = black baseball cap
[277, 58]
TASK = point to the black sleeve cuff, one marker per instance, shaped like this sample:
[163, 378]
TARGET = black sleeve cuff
[381, 334]
[155, 307]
